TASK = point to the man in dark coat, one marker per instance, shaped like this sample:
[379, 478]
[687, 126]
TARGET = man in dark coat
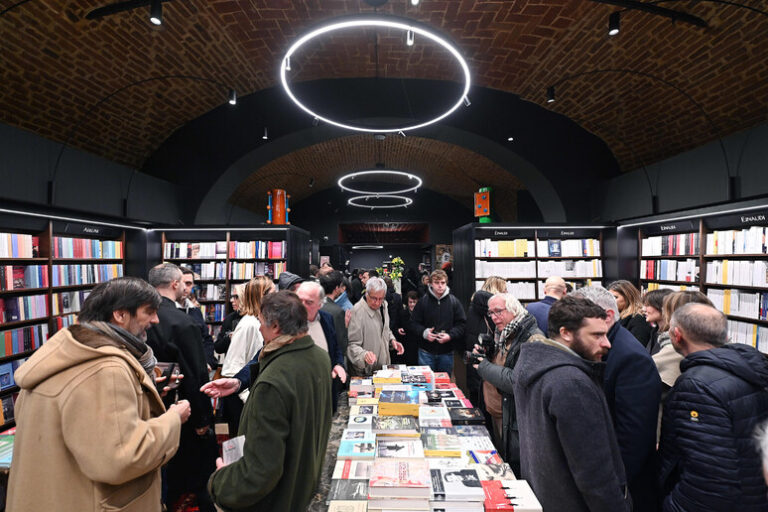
[568, 449]
[177, 339]
[477, 323]
[439, 319]
[709, 457]
[333, 288]
[186, 305]
[633, 391]
[554, 289]
[513, 327]
[286, 420]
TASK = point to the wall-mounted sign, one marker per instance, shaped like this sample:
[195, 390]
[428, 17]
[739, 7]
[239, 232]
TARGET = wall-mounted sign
[669, 228]
[76, 229]
[738, 220]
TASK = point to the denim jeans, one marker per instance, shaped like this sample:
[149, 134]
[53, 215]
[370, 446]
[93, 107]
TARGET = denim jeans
[438, 362]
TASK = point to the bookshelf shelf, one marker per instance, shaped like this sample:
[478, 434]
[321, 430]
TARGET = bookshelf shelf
[257, 259]
[197, 260]
[671, 257]
[737, 286]
[663, 281]
[212, 301]
[10, 391]
[24, 291]
[507, 258]
[23, 323]
[73, 287]
[568, 258]
[735, 256]
[6, 261]
[746, 319]
[20, 355]
[75, 261]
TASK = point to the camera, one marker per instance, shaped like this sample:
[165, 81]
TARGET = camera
[472, 358]
[486, 349]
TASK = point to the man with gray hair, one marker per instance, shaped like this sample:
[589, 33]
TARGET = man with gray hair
[709, 460]
[632, 389]
[370, 338]
[514, 326]
[177, 339]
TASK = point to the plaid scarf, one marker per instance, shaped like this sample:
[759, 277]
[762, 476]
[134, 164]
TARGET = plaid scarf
[509, 331]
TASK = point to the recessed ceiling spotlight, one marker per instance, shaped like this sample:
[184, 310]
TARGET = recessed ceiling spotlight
[510, 139]
[551, 94]
[156, 12]
[266, 135]
[232, 97]
[614, 23]
[379, 21]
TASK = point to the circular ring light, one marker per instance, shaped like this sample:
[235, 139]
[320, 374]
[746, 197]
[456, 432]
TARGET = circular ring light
[406, 26]
[406, 201]
[354, 175]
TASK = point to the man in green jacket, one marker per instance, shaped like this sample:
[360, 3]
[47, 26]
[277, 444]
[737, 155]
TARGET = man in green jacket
[286, 419]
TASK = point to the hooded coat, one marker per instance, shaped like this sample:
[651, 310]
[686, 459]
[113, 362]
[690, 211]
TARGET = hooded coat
[568, 449]
[709, 458]
[444, 313]
[287, 280]
[104, 428]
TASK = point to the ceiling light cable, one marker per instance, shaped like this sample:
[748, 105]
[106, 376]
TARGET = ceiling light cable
[156, 12]
[614, 23]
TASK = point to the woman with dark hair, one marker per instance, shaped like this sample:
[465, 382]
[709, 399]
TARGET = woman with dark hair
[631, 310]
[653, 302]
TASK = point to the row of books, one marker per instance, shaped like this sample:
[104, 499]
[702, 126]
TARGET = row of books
[670, 270]
[7, 413]
[568, 248]
[519, 248]
[66, 247]
[213, 292]
[7, 370]
[414, 442]
[526, 248]
[22, 339]
[6, 448]
[66, 275]
[25, 307]
[210, 270]
[63, 321]
[574, 284]
[257, 249]
[683, 244]
[570, 268]
[647, 287]
[68, 302]
[505, 268]
[195, 250]
[20, 277]
[740, 303]
[750, 334]
[738, 272]
[215, 312]
[259, 268]
[738, 241]
[13, 245]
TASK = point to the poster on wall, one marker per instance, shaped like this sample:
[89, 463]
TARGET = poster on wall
[443, 254]
[324, 260]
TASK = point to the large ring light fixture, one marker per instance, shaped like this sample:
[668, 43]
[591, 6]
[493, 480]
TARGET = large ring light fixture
[354, 175]
[406, 201]
[380, 21]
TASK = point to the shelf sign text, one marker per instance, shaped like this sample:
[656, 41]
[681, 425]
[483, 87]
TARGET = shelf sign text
[500, 233]
[749, 219]
[668, 227]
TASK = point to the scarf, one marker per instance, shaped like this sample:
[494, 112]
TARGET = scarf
[664, 339]
[278, 342]
[509, 331]
[125, 340]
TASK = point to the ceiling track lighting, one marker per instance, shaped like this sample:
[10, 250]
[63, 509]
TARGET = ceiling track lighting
[551, 94]
[378, 21]
[232, 97]
[466, 101]
[156, 12]
[380, 172]
[614, 23]
[414, 2]
[266, 135]
[409, 38]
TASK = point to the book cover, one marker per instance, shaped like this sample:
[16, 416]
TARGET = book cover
[352, 469]
[434, 416]
[466, 416]
[348, 490]
[494, 472]
[347, 506]
[357, 435]
[400, 449]
[364, 449]
[554, 248]
[441, 445]
[471, 430]
[485, 457]
[452, 403]
[399, 478]
[476, 443]
[232, 449]
[360, 422]
[442, 378]
[358, 410]
[395, 426]
[399, 403]
[456, 485]
[511, 495]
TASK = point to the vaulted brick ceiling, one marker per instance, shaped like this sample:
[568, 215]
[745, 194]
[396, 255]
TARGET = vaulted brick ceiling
[677, 86]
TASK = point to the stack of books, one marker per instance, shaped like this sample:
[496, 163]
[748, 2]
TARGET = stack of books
[414, 442]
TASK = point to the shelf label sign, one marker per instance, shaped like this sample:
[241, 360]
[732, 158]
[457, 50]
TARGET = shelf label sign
[568, 233]
[738, 220]
[74, 228]
[671, 227]
[503, 234]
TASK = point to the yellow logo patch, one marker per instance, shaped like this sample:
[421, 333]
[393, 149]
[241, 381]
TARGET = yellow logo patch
[694, 416]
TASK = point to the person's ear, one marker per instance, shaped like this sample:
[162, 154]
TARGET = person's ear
[565, 334]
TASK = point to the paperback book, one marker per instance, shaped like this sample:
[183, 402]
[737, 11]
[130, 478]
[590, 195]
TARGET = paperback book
[400, 449]
[399, 478]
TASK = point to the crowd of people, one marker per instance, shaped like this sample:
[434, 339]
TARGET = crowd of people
[603, 399]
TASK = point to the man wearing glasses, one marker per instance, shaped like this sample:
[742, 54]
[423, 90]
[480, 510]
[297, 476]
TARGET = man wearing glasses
[514, 326]
[370, 338]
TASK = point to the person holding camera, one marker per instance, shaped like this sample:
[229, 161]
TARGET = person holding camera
[495, 363]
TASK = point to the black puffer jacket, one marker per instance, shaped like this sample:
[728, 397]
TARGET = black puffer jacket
[443, 313]
[709, 458]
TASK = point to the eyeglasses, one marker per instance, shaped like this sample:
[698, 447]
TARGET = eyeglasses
[496, 312]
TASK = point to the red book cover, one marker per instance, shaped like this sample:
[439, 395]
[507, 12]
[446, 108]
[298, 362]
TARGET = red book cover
[495, 496]
[35, 246]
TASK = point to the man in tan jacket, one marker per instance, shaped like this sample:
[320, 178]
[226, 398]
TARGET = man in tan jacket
[92, 432]
[369, 335]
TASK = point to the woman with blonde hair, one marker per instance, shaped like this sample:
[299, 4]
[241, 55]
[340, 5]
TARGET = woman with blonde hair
[494, 285]
[246, 341]
[630, 306]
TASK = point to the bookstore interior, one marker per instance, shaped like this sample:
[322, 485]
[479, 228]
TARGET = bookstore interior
[507, 139]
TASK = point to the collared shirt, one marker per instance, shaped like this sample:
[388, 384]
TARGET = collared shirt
[317, 334]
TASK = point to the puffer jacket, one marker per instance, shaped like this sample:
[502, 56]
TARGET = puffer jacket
[709, 458]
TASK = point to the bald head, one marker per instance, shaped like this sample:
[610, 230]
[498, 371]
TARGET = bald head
[555, 287]
[696, 327]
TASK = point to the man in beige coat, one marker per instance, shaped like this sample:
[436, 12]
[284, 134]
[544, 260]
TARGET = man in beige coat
[92, 432]
[369, 335]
